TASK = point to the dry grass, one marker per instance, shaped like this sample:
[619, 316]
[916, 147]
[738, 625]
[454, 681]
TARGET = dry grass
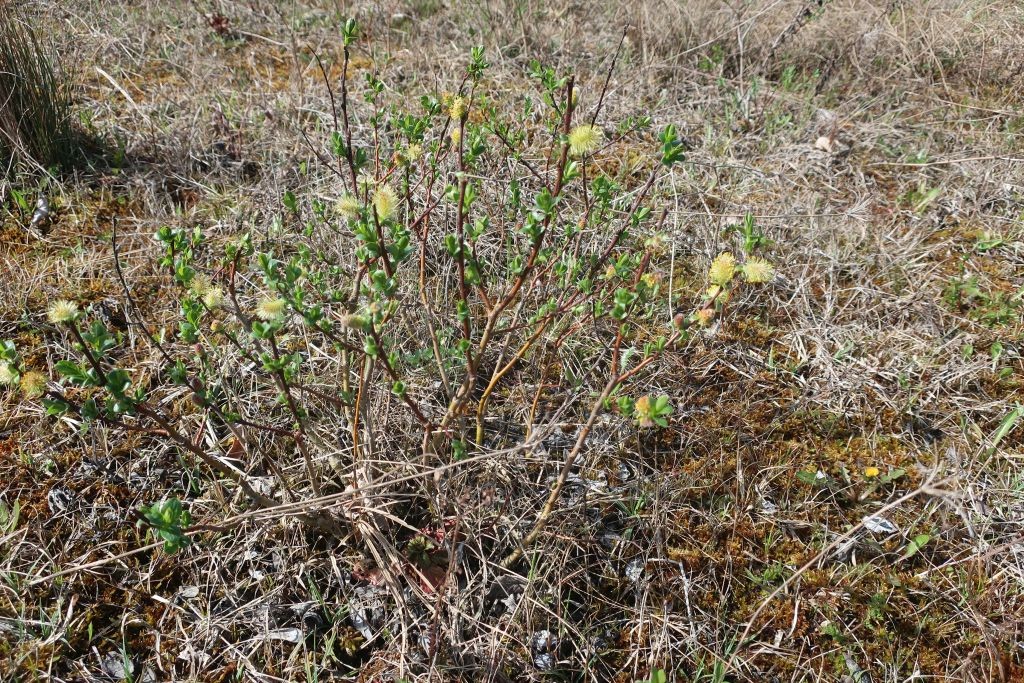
[878, 146]
[35, 109]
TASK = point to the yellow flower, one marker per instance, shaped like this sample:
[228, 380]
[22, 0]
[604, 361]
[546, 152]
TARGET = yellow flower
[657, 244]
[584, 139]
[8, 375]
[33, 384]
[642, 409]
[354, 322]
[62, 311]
[348, 206]
[203, 289]
[723, 269]
[650, 279]
[458, 108]
[455, 135]
[758, 271]
[871, 472]
[270, 309]
[414, 152]
[385, 201]
[213, 298]
[704, 316]
[201, 284]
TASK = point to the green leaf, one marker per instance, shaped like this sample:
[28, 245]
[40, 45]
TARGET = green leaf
[9, 516]
[370, 347]
[76, 373]
[168, 521]
[118, 381]
[350, 32]
[179, 373]
[892, 476]
[262, 330]
[808, 477]
[458, 450]
[290, 201]
[55, 407]
[1007, 425]
[671, 147]
[90, 411]
[338, 145]
[657, 676]
[915, 545]
[996, 351]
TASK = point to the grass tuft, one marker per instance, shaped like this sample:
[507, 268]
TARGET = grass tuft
[35, 99]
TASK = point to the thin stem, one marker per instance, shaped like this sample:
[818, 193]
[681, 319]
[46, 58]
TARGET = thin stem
[93, 361]
[570, 459]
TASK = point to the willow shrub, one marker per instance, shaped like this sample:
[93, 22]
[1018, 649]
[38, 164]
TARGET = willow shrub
[472, 245]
